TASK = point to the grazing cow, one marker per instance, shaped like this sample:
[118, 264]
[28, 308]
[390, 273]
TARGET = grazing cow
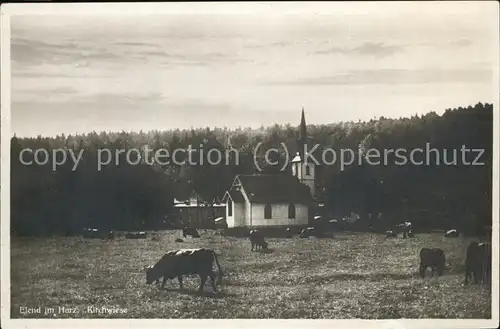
[451, 233]
[478, 262]
[136, 235]
[186, 231]
[307, 232]
[433, 258]
[91, 233]
[404, 228]
[257, 240]
[177, 263]
[390, 234]
[110, 235]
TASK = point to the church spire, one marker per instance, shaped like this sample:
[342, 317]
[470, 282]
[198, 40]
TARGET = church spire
[302, 140]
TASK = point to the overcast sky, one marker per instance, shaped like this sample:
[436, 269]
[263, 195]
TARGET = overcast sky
[78, 74]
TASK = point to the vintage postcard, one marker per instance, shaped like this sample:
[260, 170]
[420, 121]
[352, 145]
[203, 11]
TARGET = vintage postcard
[220, 164]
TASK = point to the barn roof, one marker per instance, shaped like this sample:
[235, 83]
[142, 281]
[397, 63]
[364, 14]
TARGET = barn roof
[274, 188]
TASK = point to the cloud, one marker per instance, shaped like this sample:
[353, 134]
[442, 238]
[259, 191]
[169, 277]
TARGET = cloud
[57, 90]
[377, 49]
[107, 98]
[461, 43]
[395, 77]
[30, 52]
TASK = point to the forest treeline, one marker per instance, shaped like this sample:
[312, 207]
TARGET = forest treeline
[431, 195]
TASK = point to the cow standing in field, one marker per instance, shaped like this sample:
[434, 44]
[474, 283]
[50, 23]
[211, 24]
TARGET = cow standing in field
[190, 232]
[136, 235]
[478, 262]
[433, 258]
[390, 234]
[307, 232]
[257, 240]
[91, 233]
[181, 262]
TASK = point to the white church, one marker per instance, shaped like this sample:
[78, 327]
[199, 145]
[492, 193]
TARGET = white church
[264, 200]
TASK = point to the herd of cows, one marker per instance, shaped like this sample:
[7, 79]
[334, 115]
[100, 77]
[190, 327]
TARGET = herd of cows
[200, 261]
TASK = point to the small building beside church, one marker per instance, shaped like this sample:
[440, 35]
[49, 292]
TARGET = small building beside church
[195, 212]
[265, 200]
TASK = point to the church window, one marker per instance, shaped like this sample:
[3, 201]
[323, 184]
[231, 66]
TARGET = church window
[291, 211]
[268, 211]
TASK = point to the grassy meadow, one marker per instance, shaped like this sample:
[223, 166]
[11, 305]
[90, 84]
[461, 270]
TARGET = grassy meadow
[353, 275]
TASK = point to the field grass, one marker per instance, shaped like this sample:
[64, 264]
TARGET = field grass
[350, 276]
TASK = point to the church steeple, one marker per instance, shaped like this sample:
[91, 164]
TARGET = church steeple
[304, 171]
[302, 140]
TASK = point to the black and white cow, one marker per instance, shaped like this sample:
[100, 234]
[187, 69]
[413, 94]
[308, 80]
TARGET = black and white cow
[186, 231]
[176, 263]
[308, 231]
[91, 233]
[257, 240]
[136, 235]
[433, 258]
[390, 233]
[478, 262]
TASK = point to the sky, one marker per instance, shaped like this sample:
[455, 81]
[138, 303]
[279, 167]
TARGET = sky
[83, 73]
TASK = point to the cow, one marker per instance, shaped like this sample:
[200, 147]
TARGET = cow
[451, 233]
[91, 233]
[177, 263]
[404, 228]
[257, 240]
[478, 262]
[288, 233]
[110, 235]
[390, 234]
[433, 258]
[186, 231]
[410, 233]
[307, 232]
[136, 235]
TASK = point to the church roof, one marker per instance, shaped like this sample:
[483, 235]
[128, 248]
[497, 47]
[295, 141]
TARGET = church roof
[297, 158]
[235, 195]
[274, 188]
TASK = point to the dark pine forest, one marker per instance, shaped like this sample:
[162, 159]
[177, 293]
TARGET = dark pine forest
[432, 196]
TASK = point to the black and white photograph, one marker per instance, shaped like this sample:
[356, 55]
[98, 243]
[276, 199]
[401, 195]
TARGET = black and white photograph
[242, 161]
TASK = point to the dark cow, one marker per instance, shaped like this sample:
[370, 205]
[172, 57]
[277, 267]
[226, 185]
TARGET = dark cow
[177, 263]
[257, 240]
[433, 258]
[110, 235]
[478, 262]
[136, 235]
[451, 234]
[190, 232]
